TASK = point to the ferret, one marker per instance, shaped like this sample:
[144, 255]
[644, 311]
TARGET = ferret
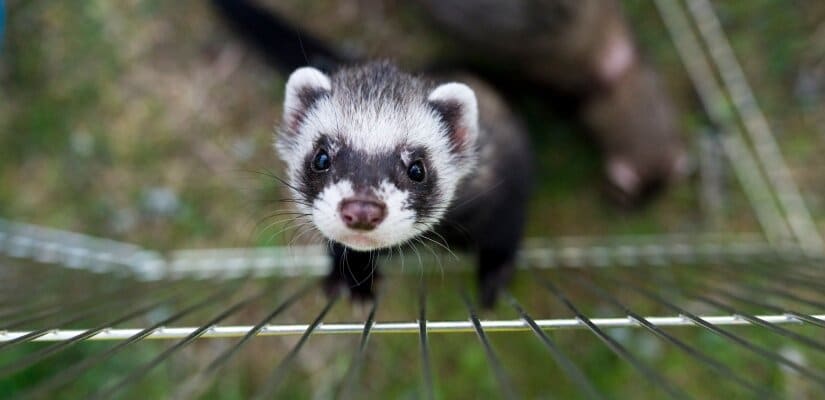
[379, 159]
[376, 158]
[584, 48]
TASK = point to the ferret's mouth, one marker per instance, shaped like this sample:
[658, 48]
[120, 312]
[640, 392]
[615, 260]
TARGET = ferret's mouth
[357, 241]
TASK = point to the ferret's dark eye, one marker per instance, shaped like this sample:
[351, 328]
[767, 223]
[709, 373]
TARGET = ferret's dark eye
[321, 162]
[416, 171]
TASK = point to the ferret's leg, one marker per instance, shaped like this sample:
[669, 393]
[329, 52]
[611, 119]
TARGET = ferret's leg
[353, 271]
[496, 269]
[499, 241]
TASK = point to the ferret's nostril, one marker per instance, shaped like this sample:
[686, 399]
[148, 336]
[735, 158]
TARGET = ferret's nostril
[362, 215]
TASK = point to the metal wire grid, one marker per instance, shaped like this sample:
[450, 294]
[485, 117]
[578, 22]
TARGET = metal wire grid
[786, 302]
[755, 286]
[109, 333]
[768, 197]
[735, 280]
[83, 252]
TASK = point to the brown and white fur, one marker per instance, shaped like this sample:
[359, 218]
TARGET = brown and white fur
[377, 158]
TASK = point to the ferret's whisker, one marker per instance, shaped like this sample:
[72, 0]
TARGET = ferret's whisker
[302, 233]
[293, 215]
[270, 174]
[435, 255]
[477, 195]
[288, 224]
[295, 201]
[297, 231]
[369, 276]
[400, 256]
[443, 243]
[411, 244]
[297, 228]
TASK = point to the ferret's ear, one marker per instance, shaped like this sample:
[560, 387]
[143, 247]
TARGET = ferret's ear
[615, 58]
[304, 87]
[457, 106]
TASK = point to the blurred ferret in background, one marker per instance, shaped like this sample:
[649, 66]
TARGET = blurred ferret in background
[581, 49]
[377, 159]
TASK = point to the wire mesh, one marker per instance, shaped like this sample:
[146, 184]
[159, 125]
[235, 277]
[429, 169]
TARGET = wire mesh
[780, 308]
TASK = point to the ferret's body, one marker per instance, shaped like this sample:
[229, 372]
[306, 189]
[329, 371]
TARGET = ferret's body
[378, 158]
[488, 215]
[354, 140]
[553, 42]
[585, 48]
[581, 48]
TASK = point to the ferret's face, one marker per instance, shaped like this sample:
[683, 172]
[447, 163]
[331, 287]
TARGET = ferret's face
[368, 200]
[374, 174]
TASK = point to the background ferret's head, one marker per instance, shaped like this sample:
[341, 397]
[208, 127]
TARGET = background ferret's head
[374, 155]
[637, 127]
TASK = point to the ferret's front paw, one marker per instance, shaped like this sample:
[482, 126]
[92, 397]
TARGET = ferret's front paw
[363, 293]
[489, 294]
[492, 282]
[359, 292]
[333, 285]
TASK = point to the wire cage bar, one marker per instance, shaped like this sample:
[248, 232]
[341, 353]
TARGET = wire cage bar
[721, 299]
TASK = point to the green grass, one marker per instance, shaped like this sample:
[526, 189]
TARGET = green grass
[103, 105]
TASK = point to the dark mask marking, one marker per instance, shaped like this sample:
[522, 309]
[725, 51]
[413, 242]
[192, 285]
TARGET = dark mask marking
[367, 171]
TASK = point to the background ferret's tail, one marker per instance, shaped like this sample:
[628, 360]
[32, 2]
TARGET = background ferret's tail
[285, 45]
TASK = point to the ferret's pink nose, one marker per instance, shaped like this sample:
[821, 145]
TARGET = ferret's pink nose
[362, 215]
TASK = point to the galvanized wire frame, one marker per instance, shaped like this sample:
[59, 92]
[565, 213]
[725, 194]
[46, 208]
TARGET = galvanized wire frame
[746, 291]
[788, 296]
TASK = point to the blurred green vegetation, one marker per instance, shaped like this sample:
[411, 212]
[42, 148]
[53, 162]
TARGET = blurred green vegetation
[148, 122]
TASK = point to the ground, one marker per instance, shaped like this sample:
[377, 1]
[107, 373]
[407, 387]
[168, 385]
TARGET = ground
[149, 122]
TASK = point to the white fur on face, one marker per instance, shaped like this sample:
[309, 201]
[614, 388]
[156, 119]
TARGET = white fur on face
[378, 130]
[397, 227]
[377, 127]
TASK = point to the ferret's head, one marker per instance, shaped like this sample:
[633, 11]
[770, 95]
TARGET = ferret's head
[637, 126]
[374, 155]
